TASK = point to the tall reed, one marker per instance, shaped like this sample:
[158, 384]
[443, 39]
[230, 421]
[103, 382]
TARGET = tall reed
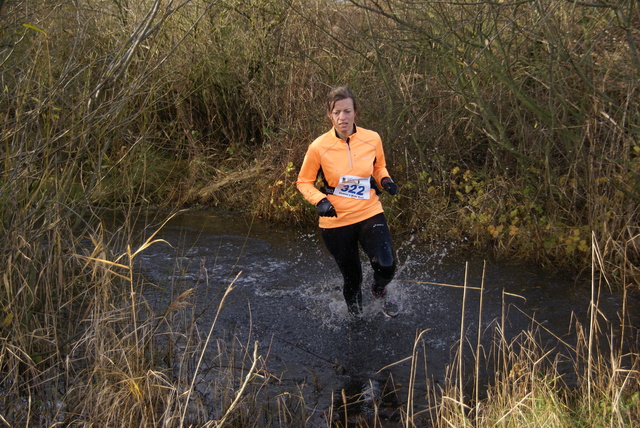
[532, 385]
[511, 125]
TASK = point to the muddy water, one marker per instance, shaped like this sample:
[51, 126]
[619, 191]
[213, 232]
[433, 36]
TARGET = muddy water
[288, 297]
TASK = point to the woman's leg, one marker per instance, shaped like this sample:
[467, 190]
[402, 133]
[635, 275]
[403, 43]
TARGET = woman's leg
[342, 243]
[375, 239]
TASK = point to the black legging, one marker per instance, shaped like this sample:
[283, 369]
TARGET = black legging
[375, 239]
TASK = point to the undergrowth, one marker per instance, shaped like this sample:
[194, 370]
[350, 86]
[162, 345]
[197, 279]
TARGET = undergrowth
[512, 127]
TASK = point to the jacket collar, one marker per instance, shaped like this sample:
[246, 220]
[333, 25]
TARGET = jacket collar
[335, 132]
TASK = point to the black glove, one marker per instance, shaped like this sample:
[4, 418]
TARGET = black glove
[389, 186]
[326, 209]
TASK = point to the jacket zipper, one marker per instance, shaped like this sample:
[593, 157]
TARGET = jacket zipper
[349, 153]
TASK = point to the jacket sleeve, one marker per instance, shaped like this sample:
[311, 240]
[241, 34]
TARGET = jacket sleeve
[380, 166]
[306, 183]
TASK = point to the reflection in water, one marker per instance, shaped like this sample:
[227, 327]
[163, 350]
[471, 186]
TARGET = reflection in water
[288, 296]
[365, 398]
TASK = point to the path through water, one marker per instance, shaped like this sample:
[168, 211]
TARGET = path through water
[288, 297]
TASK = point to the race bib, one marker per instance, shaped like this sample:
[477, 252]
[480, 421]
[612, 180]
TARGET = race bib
[353, 187]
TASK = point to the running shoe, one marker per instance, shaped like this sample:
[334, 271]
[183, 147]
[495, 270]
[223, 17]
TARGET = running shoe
[355, 310]
[377, 292]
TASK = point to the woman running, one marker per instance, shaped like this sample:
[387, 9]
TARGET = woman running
[350, 162]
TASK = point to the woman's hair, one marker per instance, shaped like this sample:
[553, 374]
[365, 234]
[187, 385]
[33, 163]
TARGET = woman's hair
[337, 94]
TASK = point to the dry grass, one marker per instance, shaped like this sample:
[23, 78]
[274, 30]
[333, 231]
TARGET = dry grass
[100, 354]
[532, 387]
[105, 357]
[512, 125]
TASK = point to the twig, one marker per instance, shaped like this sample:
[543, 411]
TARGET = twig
[466, 287]
[460, 375]
[478, 343]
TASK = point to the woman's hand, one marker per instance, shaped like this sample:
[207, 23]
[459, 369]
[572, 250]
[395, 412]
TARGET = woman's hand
[389, 186]
[326, 209]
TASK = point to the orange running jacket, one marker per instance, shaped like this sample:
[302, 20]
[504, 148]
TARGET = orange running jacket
[361, 156]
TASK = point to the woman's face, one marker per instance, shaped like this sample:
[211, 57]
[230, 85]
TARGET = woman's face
[343, 116]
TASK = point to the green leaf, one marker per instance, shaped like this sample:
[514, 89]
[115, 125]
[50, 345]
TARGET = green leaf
[7, 320]
[34, 27]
